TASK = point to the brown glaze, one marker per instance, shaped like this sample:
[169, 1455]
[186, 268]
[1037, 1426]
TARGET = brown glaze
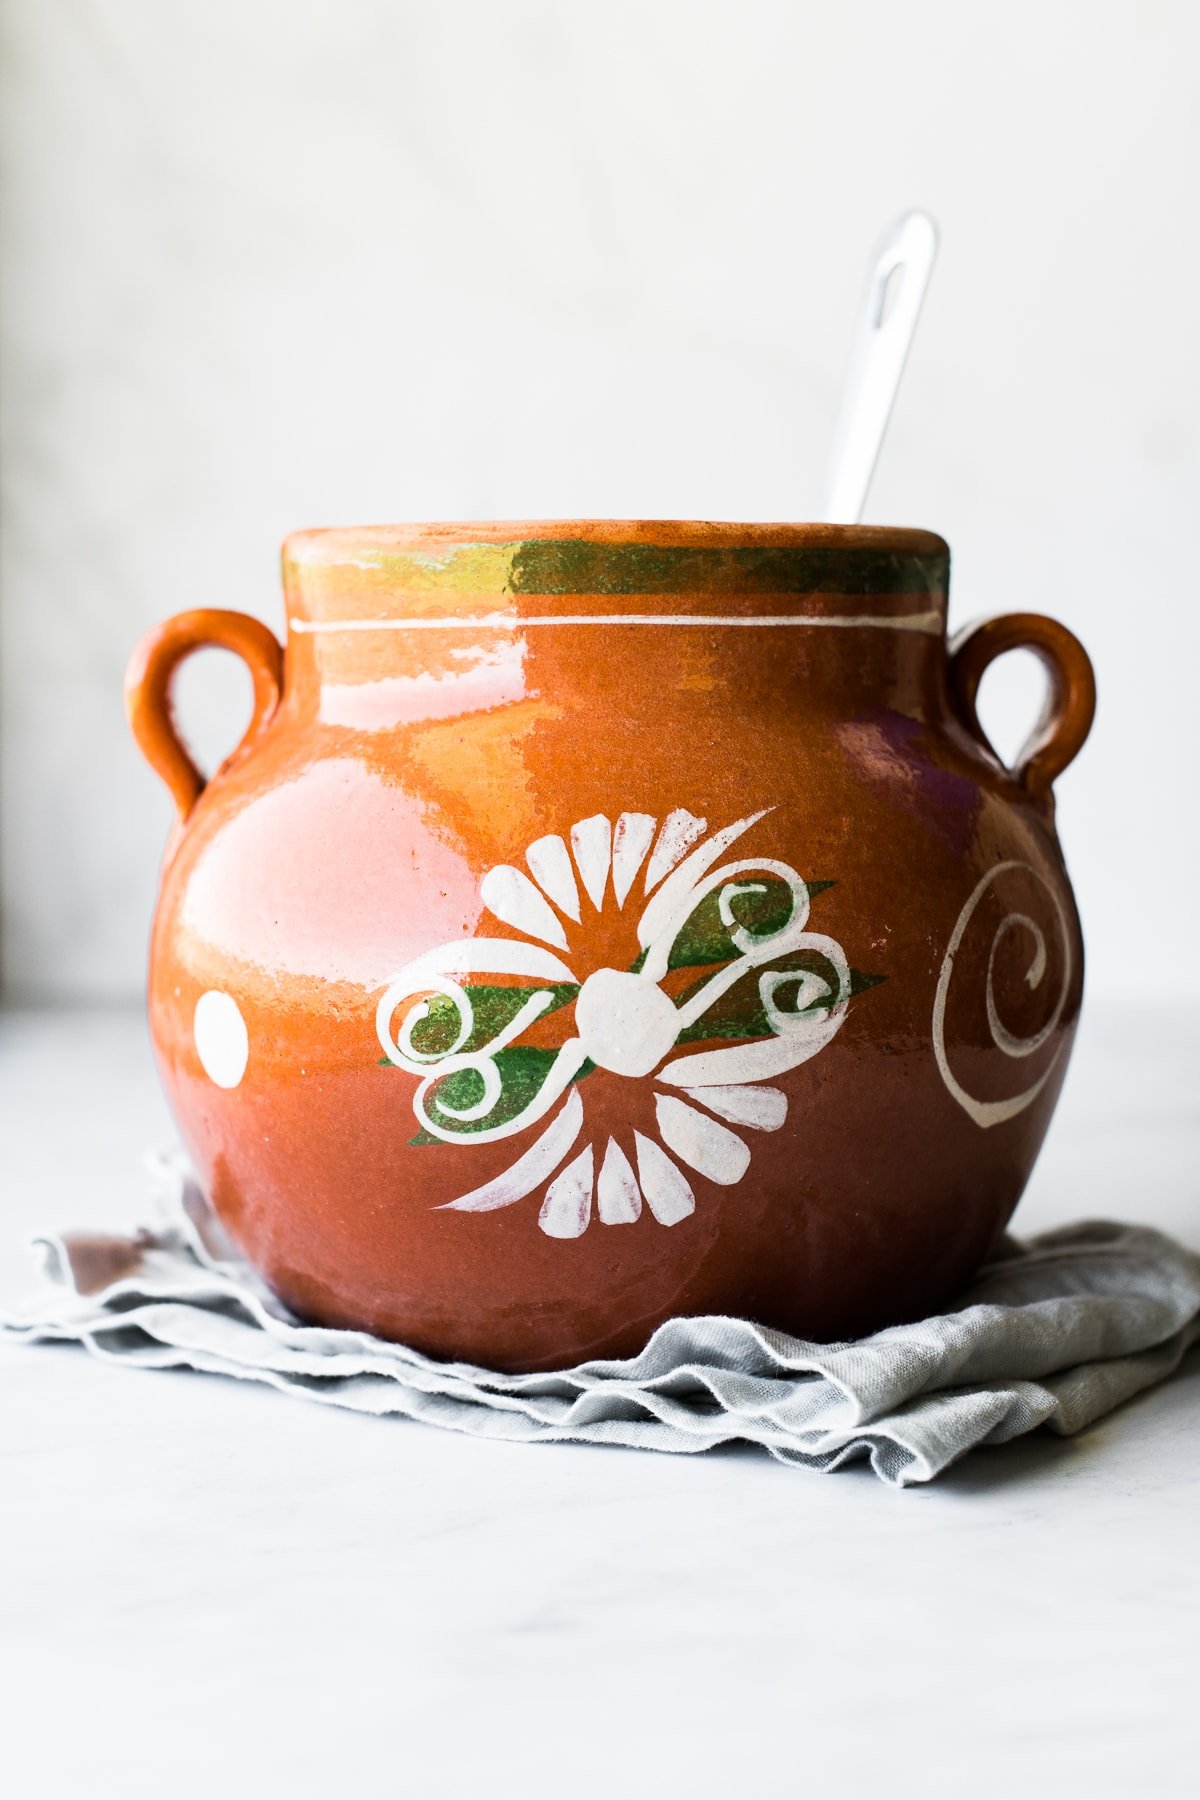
[613, 921]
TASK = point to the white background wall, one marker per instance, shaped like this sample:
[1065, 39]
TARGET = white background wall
[270, 264]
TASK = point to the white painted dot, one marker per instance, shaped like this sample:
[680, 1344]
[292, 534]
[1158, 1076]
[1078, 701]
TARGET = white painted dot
[624, 1023]
[222, 1041]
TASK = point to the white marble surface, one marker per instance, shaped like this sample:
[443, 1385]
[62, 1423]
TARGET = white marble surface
[274, 265]
[207, 1588]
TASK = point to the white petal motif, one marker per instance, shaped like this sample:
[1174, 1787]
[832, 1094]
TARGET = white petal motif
[591, 840]
[705, 1146]
[568, 1203]
[510, 894]
[614, 1012]
[618, 1197]
[757, 1061]
[550, 865]
[680, 830]
[762, 1108]
[666, 1188]
[473, 956]
[530, 1170]
[632, 837]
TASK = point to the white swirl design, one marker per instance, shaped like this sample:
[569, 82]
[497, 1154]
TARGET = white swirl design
[995, 1112]
[625, 1020]
[419, 978]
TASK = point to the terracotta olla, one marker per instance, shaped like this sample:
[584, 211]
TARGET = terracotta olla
[605, 922]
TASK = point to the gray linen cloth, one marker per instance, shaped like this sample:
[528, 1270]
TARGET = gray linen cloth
[1057, 1331]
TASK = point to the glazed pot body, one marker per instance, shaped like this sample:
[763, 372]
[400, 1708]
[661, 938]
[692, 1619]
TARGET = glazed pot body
[610, 923]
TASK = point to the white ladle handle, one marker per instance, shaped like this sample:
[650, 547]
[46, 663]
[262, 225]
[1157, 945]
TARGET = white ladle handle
[899, 276]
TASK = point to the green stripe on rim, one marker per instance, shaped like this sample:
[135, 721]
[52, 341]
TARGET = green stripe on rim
[575, 566]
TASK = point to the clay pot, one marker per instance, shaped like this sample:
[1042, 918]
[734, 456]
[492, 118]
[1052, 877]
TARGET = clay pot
[604, 922]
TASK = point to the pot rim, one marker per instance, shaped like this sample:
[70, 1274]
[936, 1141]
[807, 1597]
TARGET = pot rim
[337, 543]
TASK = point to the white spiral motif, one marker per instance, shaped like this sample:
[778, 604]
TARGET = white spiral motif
[994, 1112]
[434, 1066]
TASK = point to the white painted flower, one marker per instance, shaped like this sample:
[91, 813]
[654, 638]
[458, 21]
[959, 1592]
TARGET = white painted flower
[468, 1045]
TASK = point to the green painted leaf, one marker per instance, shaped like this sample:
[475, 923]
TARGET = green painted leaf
[523, 1069]
[493, 1009]
[860, 982]
[706, 939]
[739, 1013]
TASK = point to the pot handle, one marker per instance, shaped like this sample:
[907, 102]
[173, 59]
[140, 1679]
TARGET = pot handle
[1066, 717]
[151, 673]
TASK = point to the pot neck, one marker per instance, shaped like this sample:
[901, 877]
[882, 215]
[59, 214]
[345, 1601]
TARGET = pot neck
[388, 625]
